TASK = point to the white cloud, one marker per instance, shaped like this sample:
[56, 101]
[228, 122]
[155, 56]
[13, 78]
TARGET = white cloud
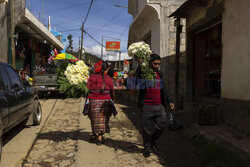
[107, 55]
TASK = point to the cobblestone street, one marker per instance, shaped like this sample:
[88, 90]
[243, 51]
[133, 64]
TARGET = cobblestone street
[64, 141]
[57, 142]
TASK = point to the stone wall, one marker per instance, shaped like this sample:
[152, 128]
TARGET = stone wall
[236, 51]
[169, 61]
[3, 33]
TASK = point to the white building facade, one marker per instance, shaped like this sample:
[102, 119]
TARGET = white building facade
[152, 25]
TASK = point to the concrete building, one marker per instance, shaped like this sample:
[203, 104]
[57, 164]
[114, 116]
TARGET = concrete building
[218, 56]
[32, 38]
[152, 25]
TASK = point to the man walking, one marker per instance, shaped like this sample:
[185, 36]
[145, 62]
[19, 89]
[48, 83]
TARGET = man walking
[152, 101]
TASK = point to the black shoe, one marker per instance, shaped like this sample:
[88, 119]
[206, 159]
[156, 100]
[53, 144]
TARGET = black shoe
[99, 142]
[92, 139]
[154, 147]
[146, 153]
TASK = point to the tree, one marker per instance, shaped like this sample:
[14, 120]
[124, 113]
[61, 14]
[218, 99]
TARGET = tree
[69, 48]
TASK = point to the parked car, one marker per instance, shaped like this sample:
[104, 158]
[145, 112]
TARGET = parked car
[18, 101]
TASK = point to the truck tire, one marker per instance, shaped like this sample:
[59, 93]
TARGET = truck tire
[37, 114]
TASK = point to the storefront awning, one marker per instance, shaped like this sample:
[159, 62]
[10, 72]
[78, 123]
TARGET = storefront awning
[30, 24]
[184, 9]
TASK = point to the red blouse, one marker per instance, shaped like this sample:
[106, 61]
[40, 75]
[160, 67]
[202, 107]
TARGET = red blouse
[97, 89]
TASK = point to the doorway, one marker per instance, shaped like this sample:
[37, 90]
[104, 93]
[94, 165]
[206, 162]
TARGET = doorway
[207, 63]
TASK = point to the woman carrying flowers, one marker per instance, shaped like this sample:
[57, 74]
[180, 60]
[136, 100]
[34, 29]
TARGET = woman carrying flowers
[101, 90]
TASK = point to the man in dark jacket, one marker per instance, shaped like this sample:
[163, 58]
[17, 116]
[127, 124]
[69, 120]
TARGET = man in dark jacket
[153, 99]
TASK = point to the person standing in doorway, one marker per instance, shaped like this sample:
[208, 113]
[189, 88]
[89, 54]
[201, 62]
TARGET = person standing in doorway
[152, 103]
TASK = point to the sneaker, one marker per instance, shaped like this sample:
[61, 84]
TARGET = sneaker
[146, 153]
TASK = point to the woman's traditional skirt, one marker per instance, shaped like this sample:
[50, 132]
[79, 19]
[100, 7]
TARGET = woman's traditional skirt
[99, 113]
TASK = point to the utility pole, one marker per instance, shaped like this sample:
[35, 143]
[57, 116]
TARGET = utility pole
[102, 48]
[120, 61]
[12, 32]
[82, 42]
[79, 47]
[43, 12]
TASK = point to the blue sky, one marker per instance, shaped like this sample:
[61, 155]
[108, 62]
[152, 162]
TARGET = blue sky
[104, 19]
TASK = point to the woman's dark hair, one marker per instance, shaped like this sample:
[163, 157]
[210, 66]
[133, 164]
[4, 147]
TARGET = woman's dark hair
[154, 57]
[105, 66]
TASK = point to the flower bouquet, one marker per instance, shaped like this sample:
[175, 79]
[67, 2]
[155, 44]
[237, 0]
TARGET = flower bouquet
[73, 78]
[141, 52]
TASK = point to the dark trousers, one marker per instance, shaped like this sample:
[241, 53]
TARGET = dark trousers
[153, 120]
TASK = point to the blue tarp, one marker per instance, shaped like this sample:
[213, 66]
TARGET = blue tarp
[56, 33]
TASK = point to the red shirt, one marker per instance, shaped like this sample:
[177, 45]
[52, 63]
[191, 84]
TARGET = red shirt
[95, 85]
[153, 95]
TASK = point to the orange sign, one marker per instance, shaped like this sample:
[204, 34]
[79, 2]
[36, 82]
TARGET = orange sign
[113, 46]
[126, 62]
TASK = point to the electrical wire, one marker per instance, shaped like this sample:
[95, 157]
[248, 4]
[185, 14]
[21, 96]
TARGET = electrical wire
[124, 30]
[92, 13]
[107, 23]
[71, 30]
[94, 38]
[88, 12]
[59, 9]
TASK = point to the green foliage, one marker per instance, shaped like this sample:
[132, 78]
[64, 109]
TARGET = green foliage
[74, 91]
[215, 154]
[69, 48]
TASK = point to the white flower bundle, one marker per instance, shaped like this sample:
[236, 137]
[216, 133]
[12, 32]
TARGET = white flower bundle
[77, 73]
[141, 51]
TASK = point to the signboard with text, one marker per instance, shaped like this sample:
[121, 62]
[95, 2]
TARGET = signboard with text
[113, 45]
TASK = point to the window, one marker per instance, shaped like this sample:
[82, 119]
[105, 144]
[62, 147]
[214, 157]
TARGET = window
[1, 82]
[5, 79]
[14, 79]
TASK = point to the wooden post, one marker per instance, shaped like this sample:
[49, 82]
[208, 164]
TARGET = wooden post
[177, 61]
[12, 32]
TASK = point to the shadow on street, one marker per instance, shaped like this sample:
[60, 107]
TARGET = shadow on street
[174, 148]
[59, 136]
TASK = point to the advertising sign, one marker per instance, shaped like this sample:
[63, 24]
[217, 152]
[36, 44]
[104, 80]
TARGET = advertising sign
[112, 46]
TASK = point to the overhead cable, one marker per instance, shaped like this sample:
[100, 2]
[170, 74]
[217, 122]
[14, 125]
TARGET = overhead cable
[59, 9]
[108, 22]
[88, 12]
[93, 38]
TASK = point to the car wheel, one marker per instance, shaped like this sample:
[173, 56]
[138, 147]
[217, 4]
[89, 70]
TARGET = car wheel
[37, 114]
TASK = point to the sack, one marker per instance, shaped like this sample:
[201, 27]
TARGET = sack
[175, 124]
[86, 107]
[112, 108]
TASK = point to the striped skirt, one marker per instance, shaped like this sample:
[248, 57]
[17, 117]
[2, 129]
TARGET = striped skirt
[99, 113]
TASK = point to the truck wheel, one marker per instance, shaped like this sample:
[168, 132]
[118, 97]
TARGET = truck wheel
[37, 114]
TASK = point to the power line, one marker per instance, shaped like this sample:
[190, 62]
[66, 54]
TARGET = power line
[92, 13]
[108, 22]
[93, 38]
[88, 12]
[57, 9]
[124, 30]
[71, 30]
